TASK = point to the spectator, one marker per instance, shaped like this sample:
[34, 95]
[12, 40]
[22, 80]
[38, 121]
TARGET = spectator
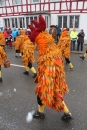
[18, 31]
[73, 36]
[80, 40]
[53, 31]
[10, 39]
[14, 34]
[6, 34]
[58, 32]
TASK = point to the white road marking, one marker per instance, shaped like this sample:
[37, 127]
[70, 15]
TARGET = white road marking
[17, 65]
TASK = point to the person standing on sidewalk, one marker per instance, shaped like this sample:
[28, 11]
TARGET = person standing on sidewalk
[80, 40]
[58, 32]
[73, 36]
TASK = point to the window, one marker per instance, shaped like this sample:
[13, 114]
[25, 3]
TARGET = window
[74, 22]
[35, 1]
[27, 21]
[62, 21]
[2, 2]
[14, 22]
[17, 2]
[46, 19]
[7, 22]
[21, 22]
[31, 18]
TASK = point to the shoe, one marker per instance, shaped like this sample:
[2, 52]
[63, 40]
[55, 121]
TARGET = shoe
[16, 56]
[19, 56]
[26, 73]
[34, 76]
[39, 115]
[67, 116]
[71, 68]
[82, 57]
[0, 80]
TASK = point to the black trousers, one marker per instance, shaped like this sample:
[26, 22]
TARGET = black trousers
[80, 45]
[39, 101]
[67, 60]
[58, 36]
[17, 51]
[30, 65]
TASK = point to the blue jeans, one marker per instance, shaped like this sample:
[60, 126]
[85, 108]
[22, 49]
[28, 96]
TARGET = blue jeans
[73, 45]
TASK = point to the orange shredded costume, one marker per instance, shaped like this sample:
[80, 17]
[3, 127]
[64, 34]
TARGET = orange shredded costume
[64, 45]
[28, 57]
[24, 46]
[3, 57]
[2, 39]
[51, 83]
[19, 44]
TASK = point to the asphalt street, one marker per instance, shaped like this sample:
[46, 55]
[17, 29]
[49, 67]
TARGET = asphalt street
[17, 97]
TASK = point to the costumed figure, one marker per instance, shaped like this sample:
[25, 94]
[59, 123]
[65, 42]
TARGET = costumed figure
[64, 45]
[2, 40]
[3, 60]
[19, 41]
[51, 82]
[22, 31]
[28, 57]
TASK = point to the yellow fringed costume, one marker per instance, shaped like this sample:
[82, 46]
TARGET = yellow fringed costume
[19, 44]
[51, 86]
[22, 32]
[51, 83]
[3, 58]
[28, 57]
[28, 53]
[2, 39]
[64, 45]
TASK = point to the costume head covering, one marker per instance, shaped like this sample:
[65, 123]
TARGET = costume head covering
[39, 27]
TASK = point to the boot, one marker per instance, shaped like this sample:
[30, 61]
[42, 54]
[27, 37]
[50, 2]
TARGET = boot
[26, 71]
[40, 113]
[82, 57]
[66, 116]
[34, 72]
[20, 55]
[71, 66]
[16, 55]
[34, 76]
[0, 80]
[0, 77]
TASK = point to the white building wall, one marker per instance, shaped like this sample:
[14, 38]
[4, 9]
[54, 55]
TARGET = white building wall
[82, 22]
[1, 22]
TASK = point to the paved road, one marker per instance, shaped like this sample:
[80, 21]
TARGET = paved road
[17, 98]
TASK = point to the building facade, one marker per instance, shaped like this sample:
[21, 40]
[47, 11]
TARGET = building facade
[65, 13]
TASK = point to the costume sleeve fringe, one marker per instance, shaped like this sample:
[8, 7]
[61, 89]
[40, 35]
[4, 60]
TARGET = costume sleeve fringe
[28, 52]
[2, 56]
[2, 39]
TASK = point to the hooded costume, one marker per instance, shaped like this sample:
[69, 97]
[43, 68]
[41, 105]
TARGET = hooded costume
[3, 58]
[64, 45]
[51, 83]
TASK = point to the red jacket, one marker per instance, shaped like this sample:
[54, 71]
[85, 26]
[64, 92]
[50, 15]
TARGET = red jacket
[5, 34]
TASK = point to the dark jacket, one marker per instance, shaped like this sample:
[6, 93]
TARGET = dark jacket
[58, 30]
[81, 37]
